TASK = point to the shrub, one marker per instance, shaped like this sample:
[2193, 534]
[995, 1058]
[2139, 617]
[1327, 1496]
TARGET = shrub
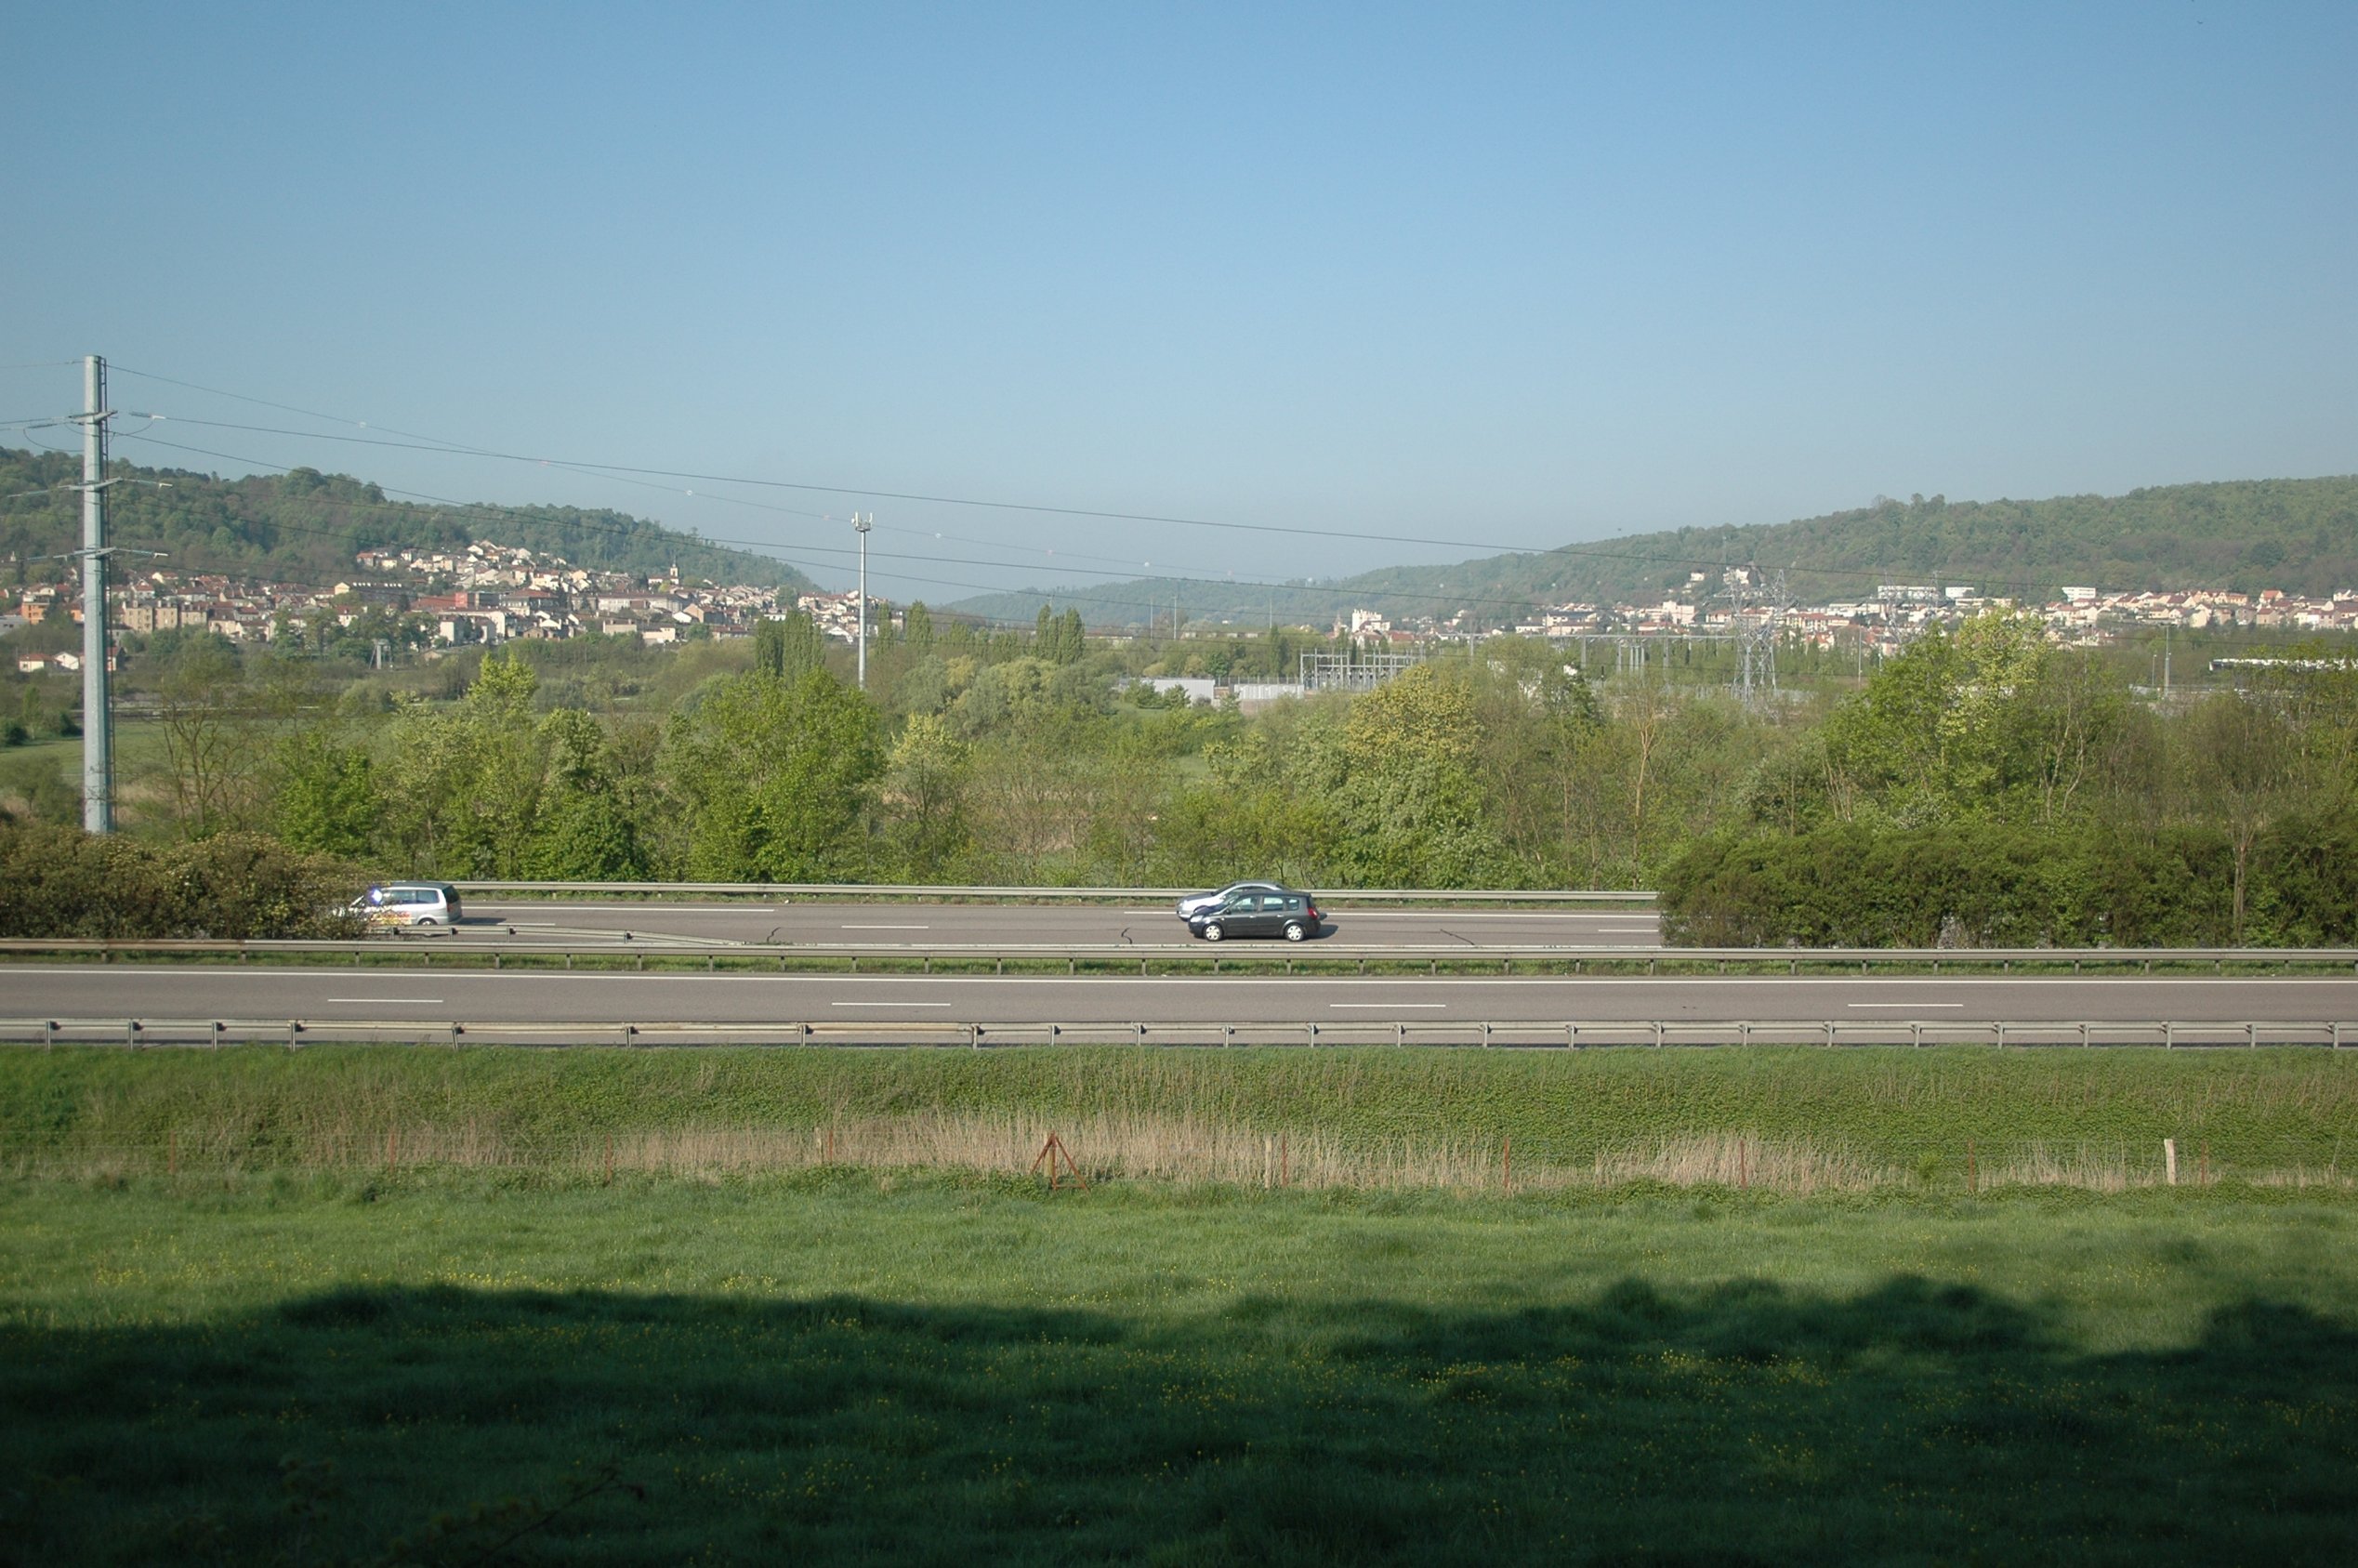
[62, 882]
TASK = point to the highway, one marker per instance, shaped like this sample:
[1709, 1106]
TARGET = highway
[945, 925]
[610, 999]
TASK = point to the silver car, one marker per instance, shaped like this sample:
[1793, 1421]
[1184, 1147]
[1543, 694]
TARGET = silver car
[1195, 904]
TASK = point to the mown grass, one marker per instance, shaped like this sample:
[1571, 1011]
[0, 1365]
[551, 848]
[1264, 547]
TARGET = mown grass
[839, 1367]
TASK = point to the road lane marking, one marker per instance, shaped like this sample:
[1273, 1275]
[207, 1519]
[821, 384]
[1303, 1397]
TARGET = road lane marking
[636, 908]
[1390, 1007]
[1906, 1004]
[888, 1003]
[888, 927]
[1626, 930]
[397, 1001]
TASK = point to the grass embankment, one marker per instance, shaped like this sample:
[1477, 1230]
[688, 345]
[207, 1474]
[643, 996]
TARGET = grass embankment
[863, 1366]
[1803, 1120]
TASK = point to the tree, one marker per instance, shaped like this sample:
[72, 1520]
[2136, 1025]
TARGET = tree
[789, 646]
[327, 800]
[921, 795]
[775, 778]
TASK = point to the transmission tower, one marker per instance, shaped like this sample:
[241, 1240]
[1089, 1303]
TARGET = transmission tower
[1758, 623]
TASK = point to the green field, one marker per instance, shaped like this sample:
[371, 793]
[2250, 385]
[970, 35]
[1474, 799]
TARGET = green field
[340, 1332]
[1942, 1120]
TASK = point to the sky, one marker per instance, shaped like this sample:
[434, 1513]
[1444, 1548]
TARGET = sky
[1480, 275]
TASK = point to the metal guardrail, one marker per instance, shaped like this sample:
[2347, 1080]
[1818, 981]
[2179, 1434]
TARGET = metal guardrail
[879, 890]
[1307, 955]
[1524, 1034]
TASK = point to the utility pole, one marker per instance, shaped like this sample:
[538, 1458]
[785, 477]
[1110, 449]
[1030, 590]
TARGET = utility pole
[862, 524]
[97, 732]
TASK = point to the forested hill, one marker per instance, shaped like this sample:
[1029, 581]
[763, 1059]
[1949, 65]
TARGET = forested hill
[2296, 535]
[305, 526]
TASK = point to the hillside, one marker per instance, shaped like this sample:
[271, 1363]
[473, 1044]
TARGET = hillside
[2296, 535]
[305, 526]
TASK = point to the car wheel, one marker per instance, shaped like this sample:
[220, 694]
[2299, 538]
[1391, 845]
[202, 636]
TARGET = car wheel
[1294, 931]
[424, 921]
[1212, 931]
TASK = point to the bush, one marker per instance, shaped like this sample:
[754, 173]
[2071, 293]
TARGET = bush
[62, 882]
[1995, 885]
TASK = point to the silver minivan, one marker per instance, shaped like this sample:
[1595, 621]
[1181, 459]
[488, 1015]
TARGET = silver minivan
[409, 904]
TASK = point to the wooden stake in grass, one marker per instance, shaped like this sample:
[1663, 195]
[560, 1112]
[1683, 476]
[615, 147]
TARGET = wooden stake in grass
[1052, 1151]
[2169, 1161]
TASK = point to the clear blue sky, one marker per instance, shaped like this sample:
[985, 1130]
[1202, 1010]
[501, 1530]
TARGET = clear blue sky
[1503, 274]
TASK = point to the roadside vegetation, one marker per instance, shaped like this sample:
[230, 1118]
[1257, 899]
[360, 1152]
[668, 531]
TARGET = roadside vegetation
[1952, 1120]
[1984, 787]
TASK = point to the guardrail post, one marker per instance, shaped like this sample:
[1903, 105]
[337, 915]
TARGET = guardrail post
[2335, 1037]
[1485, 1035]
[630, 1034]
[2001, 1034]
[454, 1032]
[49, 1033]
[1313, 1033]
[495, 963]
[1915, 1035]
[1829, 1031]
[1649, 966]
[1572, 1037]
[2083, 1035]
[1657, 1034]
[639, 962]
[973, 1037]
[2169, 1035]
[1228, 1034]
[1743, 1031]
[1137, 1035]
[2251, 1033]
[217, 1027]
[929, 963]
[1053, 1032]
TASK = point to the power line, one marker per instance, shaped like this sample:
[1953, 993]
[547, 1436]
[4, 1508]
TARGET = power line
[618, 472]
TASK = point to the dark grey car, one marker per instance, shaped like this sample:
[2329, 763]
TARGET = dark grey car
[1276, 912]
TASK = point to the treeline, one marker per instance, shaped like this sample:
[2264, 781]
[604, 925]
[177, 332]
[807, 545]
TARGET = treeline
[1984, 786]
[2296, 535]
[305, 526]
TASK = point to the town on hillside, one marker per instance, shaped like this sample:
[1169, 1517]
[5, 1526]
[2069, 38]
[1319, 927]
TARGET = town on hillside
[490, 593]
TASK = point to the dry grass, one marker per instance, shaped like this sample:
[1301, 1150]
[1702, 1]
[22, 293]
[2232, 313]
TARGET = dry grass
[1180, 1151]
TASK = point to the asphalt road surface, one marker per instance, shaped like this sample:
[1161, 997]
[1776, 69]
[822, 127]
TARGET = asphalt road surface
[959, 925]
[611, 999]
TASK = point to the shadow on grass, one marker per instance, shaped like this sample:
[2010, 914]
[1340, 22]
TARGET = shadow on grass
[1749, 1424]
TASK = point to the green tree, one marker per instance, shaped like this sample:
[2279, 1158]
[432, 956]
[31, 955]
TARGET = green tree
[327, 800]
[789, 646]
[775, 778]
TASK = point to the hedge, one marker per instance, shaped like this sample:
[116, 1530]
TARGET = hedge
[1997, 885]
[63, 882]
